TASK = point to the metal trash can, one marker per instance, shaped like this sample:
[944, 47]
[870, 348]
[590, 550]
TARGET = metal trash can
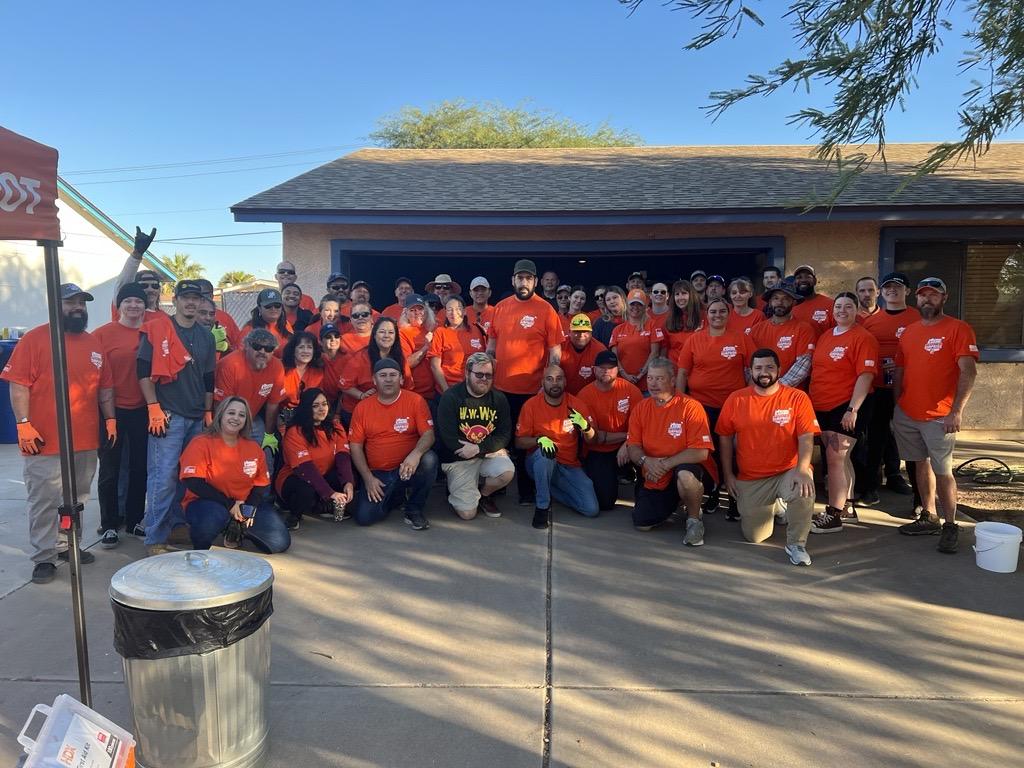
[193, 630]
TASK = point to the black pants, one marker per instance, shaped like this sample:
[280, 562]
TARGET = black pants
[300, 498]
[132, 438]
[603, 470]
[524, 483]
[716, 455]
[881, 447]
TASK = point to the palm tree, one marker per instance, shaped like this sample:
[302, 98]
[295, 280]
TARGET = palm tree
[181, 264]
[235, 277]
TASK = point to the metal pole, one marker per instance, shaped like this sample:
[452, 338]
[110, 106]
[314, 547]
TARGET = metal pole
[70, 510]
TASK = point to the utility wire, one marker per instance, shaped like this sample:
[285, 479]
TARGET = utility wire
[240, 158]
[210, 237]
[202, 173]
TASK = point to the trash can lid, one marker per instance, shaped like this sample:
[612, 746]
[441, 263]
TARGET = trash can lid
[191, 580]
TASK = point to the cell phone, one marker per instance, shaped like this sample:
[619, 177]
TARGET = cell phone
[247, 510]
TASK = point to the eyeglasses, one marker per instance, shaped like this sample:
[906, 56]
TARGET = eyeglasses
[360, 315]
[153, 286]
[656, 291]
[271, 306]
[269, 349]
[483, 376]
[286, 271]
[338, 287]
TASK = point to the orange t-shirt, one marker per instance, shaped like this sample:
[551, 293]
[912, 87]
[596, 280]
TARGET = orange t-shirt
[234, 470]
[295, 384]
[306, 302]
[767, 428]
[715, 365]
[331, 383]
[633, 345]
[447, 346]
[120, 345]
[413, 338]
[789, 340]
[388, 433]
[579, 366]
[887, 327]
[665, 430]
[297, 450]
[357, 373]
[929, 356]
[31, 366]
[611, 409]
[675, 341]
[816, 311]
[524, 332]
[236, 378]
[483, 319]
[744, 324]
[539, 418]
[352, 342]
[838, 362]
[394, 311]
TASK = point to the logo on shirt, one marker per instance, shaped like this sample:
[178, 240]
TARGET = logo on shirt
[972, 347]
[567, 425]
[527, 321]
[838, 353]
[706, 438]
[623, 405]
[820, 316]
[401, 424]
[475, 344]
[249, 467]
[781, 416]
[729, 352]
[189, 470]
[302, 454]
[165, 347]
[586, 372]
[869, 363]
[900, 330]
[934, 345]
[265, 389]
[675, 429]
[96, 359]
[784, 342]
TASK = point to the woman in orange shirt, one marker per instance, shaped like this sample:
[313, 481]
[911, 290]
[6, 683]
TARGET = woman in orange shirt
[226, 478]
[303, 369]
[415, 332]
[842, 370]
[316, 477]
[685, 317]
[742, 315]
[357, 376]
[452, 343]
[269, 313]
[637, 341]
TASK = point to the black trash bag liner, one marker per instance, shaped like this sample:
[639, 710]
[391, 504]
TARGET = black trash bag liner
[143, 634]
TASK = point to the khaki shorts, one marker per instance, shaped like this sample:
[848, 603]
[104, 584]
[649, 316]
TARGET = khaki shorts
[464, 479]
[920, 440]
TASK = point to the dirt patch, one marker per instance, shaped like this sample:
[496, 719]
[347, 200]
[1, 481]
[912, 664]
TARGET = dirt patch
[1001, 502]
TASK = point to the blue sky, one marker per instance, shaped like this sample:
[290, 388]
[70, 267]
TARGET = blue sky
[119, 84]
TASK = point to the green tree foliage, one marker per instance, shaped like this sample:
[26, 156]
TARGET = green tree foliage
[461, 125]
[867, 54]
[235, 277]
[183, 267]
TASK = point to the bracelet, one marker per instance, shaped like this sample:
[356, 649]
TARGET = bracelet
[851, 409]
[643, 460]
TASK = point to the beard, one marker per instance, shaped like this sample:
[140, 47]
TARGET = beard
[928, 311]
[524, 293]
[76, 322]
[805, 290]
[764, 381]
[781, 311]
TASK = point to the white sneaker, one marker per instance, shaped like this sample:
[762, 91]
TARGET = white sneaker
[798, 554]
[694, 536]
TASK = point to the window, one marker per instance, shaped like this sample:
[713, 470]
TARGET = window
[985, 280]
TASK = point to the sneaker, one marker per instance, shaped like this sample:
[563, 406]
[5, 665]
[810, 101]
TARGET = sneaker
[159, 549]
[827, 521]
[898, 484]
[694, 536]
[488, 507]
[732, 514]
[417, 521]
[867, 498]
[43, 573]
[233, 535]
[949, 539]
[139, 531]
[848, 512]
[292, 522]
[84, 556]
[711, 503]
[925, 525]
[540, 518]
[798, 554]
[110, 539]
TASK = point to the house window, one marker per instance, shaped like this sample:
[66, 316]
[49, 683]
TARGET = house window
[985, 281]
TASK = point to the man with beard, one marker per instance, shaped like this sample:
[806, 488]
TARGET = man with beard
[815, 309]
[175, 365]
[579, 352]
[699, 281]
[867, 297]
[286, 275]
[549, 427]
[475, 428]
[337, 283]
[768, 429]
[90, 391]
[771, 277]
[714, 288]
[792, 340]
[254, 374]
[526, 335]
[932, 382]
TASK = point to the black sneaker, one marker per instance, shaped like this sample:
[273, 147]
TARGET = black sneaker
[949, 539]
[291, 522]
[139, 531]
[732, 514]
[417, 521]
[43, 573]
[711, 503]
[899, 484]
[925, 525]
[849, 511]
[540, 518]
[233, 535]
[828, 521]
[867, 498]
[110, 539]
[84, 556]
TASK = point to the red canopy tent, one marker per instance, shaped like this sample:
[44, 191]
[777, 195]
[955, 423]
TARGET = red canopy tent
[28, 211]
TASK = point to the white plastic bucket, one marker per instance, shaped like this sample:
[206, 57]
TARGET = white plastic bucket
[996, 546]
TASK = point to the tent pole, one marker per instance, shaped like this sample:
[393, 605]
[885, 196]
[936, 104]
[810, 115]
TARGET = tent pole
[70, 509]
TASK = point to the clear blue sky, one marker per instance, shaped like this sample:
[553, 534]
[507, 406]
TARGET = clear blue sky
[116, 84]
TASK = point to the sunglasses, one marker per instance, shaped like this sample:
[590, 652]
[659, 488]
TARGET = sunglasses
[442, 286]
[360, 315]
[598, 295]
[483, 376]
[271, 306]
[659, 291]
[286, 271]
[263, 348]
[338, 287]
[153, 286]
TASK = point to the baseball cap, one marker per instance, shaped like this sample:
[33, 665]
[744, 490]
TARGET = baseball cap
[414, 300]
[189, 286]
[268, 296]
[696, 272]
[932, 283]
[431, 298]
[804, 268]
[896, 277]
[328, 328]
[336, 276]
[580, 322]
[636, 295]
[716, 279]
[401, 280]
[479, 281]
[130, 291]
[786, 286]
[359, 283]
[205, 284]
[148, 274]
[525, 265]
[564, 287]
[385, 363]
[635, 274]
[70, 290]
[606, 357]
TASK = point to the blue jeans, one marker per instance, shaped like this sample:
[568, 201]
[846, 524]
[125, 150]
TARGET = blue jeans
[208, 519]
[369, 512]
[568, 485]
[163, 490]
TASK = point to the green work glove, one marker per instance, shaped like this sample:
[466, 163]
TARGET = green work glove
[143, 241]
[578, 420]
[547, 447]
[220, 337]
[270, 441]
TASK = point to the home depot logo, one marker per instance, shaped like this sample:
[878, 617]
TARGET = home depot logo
[623, 405]
[781, 416]
[17, 192]
[838, 353]
[586, 372]
[934, 345]
[401, 424]
[820, 316]
[784, 342]
[528, 321]
[675, 429]
[249, 467]
[729, 352]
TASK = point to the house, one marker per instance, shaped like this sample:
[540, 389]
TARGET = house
[92, 256]
[595, 215]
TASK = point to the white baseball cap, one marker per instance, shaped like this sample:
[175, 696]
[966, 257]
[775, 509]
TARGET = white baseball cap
[478, 281]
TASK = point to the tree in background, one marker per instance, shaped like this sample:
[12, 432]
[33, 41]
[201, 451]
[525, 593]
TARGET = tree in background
[462, 125]
[235, 277]
[181, 264]
[867, 54]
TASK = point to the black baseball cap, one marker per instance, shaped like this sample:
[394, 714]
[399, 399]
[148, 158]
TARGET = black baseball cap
[358, 283]
[336, 276]
[606, 357]
[717, 279]
[414, 300]
[525, 265]
[329, 328]
[896, 277]
[385, 363]
[401, 280]
[70, 290]
[188, 286]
